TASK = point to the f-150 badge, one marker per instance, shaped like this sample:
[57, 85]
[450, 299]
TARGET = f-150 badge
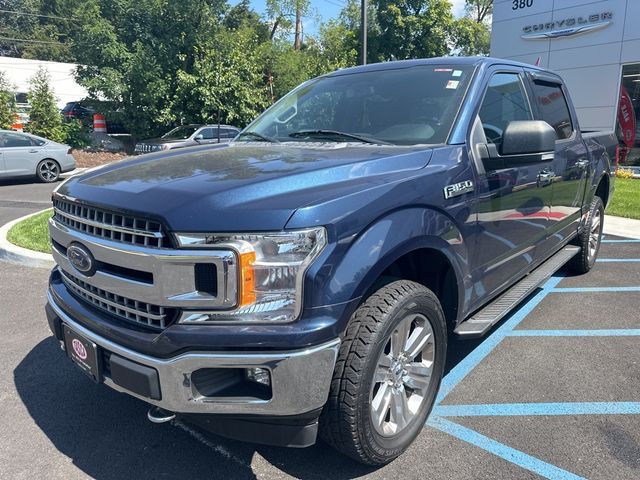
[458, 189]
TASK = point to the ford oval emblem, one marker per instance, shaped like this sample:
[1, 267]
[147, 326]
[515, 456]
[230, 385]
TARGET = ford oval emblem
[81, 259]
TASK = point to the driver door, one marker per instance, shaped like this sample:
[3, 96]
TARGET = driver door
[514, 200]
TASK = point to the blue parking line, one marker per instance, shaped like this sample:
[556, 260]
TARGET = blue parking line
[545, 409]
[462, 369]
[621, 241]
[618, 260]
[612, 332]
[503, 451]
[595, 289]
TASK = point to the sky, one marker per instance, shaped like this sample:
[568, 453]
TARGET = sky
[328, 9]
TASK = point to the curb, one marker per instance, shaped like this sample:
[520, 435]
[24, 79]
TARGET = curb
[76, 171]
[23, 256]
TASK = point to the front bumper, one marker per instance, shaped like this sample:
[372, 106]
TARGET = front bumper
[300, 379]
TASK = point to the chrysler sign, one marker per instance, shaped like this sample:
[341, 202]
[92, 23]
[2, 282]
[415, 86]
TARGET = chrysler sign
[567, 27]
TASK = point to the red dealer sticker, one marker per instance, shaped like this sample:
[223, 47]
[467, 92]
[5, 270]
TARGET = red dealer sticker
[627, 118]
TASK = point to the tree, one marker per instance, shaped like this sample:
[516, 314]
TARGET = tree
[412, 29]
[44, 117]
[479, 10]
[7, 102]
[471, 37]
[282, 10]
[227, 78]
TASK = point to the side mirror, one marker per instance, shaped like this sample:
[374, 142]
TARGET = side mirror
[199, 137]
[527, 137]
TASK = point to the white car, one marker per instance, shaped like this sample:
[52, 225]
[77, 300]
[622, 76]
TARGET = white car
[22, 154]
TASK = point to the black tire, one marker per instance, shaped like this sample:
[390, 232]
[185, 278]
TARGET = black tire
[346, 422]
[589, 239]
[48, 171]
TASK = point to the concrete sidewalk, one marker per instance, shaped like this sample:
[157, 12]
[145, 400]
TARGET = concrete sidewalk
[623, 227]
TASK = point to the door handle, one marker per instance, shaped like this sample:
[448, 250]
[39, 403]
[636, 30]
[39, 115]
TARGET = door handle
[545, 178]
[33, 151]
[582, 163]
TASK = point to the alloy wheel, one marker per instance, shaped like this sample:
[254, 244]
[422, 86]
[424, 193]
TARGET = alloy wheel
[49, 170]
[594, 234]
[402, 375]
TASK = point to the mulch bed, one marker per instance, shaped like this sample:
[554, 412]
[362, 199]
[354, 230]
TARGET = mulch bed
[86, 159]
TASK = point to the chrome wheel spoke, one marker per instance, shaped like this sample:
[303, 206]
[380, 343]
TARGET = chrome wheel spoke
[417, 341]
[380, 404]
[399, 338]
[400, 414]
[382, 369]
[418, 376]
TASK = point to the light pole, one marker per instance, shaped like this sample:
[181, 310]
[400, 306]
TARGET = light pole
[363, 32]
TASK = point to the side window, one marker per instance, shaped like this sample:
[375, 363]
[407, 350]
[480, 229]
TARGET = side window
[207, 133]
[16, 140]
[504, 101]
[553, 108]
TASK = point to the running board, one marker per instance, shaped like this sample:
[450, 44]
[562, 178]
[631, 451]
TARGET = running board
[483, 320]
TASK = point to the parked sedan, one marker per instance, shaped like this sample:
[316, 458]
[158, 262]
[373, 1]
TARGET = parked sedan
[186, 136]
[22, 154]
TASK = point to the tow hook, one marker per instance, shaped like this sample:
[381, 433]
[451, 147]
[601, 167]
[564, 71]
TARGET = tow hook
[160, 415]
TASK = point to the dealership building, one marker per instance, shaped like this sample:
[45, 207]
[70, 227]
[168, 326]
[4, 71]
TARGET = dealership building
[593, 45]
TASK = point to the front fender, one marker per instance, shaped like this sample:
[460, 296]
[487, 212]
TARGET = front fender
[352, 270]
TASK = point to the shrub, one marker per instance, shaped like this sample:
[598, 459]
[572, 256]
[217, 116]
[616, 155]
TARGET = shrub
[75, 134]
[624, 173]
[44, 117]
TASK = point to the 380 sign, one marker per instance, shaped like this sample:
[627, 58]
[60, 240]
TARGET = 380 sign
[519, 4]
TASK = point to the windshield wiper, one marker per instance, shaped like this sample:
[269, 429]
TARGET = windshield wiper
[258, 135]
[335, 133]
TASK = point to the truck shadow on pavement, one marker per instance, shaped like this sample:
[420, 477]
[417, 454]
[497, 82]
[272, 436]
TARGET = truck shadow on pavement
[107, 435]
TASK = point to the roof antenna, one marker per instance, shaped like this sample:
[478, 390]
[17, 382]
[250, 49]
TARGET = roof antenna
[537, 64]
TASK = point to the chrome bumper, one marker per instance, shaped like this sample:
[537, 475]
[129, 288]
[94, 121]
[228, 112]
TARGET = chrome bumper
[300, 379]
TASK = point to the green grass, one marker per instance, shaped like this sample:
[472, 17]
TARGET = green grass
[32, 233]
[626, 198]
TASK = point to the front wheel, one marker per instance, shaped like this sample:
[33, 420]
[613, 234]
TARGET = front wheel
[589, 239]
[387, 374]
[48, 171]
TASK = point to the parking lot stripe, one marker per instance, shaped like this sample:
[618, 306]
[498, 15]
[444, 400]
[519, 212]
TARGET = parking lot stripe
[522, 409]
[630, 240]
[462, 369]
[617, 260]
[510, 454]
[612, 332]
[595, 289]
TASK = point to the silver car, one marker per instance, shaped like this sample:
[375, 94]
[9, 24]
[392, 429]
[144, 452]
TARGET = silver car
[187, 136]
[22, 154]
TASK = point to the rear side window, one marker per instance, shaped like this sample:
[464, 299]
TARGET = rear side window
[553, 108]
[207, 133]
[12, 140]
[504, 102]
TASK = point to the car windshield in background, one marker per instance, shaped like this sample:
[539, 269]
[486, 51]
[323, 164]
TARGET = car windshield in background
[403, 106]
[180, 133]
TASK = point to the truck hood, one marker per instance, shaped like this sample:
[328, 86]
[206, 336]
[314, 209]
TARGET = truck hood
[242, 186]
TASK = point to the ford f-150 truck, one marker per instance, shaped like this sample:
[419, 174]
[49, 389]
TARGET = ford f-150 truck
[304, 279]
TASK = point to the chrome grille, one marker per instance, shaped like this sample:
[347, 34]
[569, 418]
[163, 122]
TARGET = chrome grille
[122, 307]
[110, 225]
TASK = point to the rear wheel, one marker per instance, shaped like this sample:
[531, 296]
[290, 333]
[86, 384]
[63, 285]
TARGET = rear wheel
[387, 374]
[589, 238]
[48, 171]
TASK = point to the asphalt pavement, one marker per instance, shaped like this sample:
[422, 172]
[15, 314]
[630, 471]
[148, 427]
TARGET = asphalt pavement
[553, 392]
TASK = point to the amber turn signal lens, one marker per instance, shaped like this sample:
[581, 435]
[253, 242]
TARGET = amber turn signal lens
[247, 279]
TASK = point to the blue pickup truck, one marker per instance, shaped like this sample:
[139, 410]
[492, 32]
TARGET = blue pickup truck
[304, 279]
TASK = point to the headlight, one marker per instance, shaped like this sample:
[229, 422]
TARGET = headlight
[271, 269]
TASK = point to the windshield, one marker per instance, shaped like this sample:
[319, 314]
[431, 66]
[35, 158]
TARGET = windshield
[180, 133]
[403, 106]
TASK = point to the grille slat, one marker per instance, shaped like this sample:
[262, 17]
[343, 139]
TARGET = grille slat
[112, 226]
[135, 311]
